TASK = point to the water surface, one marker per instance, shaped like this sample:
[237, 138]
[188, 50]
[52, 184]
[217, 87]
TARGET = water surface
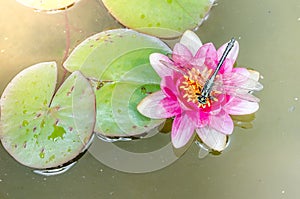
[262, 162]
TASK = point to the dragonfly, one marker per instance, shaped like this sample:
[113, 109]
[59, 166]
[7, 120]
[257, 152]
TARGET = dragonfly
[242, 88]
[205, 92]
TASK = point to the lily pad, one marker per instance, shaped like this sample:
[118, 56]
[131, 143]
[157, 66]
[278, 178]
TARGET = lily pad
[43, 130]
[47, 5]
[161, 18]
[117, 64]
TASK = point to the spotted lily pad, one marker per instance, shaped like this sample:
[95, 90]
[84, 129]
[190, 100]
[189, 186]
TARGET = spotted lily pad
[43, 130]
[161, 18]
[47, 4]
[117, 64]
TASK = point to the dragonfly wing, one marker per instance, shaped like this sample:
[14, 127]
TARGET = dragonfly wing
[186, 62]
[173, 67]
[240, 93]
[237, 85]
[243, 82]
[185, 70]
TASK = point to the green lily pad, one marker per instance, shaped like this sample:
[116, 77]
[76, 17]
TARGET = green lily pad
[47, 5]
[43, 130]
[117, 64]
[161, 18]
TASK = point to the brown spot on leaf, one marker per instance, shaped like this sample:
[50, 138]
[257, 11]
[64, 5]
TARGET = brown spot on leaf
[57, 108]
[99, 85]
[71, 90]
[143, 90]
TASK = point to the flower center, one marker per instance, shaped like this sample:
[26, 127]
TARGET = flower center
[193, 84]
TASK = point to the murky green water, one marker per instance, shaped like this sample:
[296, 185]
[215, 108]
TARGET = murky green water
[262, 162]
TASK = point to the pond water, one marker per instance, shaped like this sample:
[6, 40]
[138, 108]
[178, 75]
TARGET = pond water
[261, 162]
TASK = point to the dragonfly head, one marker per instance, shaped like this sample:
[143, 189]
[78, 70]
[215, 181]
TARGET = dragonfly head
[202, 99]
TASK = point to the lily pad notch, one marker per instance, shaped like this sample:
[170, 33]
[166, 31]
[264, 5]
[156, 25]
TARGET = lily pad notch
[116, 62]
[41, 128]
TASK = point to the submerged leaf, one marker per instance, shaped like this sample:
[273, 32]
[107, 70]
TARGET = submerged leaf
[162, 18]
[41, 130]
[117, 64]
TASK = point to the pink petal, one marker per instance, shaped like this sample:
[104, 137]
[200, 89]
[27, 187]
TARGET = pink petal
[158, 106]
[212, 138]
[158, 66]
[204, 119]
[181, 54]
[241, 71]
[182, 130]
[230, 59]
[191, 41]
[209, 53]
[221, 122]
[227, 66]
[232, 54]
[207, 50]
[237, 106]
[168, 85]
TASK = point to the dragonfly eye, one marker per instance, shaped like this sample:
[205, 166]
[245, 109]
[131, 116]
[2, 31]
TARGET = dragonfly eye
[202, 99]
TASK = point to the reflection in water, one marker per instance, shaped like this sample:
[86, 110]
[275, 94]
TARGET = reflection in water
[147, 134]
[243, 121]
[205, 150]
[122, 157]
[40, 37]
[2, 196]
[55, 11]
[49, 6]
[56, 171]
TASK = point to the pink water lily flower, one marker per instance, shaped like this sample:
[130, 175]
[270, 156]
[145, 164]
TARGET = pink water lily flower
[184, 75]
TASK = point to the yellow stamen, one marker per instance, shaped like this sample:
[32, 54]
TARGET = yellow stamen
[193, 85]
